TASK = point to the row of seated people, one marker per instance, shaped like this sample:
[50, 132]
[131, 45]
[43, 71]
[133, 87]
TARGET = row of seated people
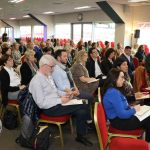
[80, 65]
[120, 114]
[10, 90]
[88, 68]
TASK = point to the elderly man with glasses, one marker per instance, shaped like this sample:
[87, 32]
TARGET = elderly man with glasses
[50, 100]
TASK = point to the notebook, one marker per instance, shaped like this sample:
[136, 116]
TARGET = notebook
[94, 80]
[143, 113]
[73, 102]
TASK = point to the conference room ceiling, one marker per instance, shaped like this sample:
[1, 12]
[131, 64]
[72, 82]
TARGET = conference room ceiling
[36, 7]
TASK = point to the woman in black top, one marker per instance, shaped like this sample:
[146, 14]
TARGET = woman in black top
[28, 68]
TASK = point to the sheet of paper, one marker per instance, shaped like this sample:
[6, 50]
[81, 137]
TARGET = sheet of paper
[73, 102]
[148, 88]
[94, 80]
[143, 113]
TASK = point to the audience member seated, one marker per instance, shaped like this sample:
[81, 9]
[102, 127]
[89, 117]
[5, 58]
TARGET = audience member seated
[108, 61]
[119, 50]
[118, 111]
[6, 50]
[93, 66]
[140, 79]
[104, 50]
[48, 50]
[128, 57]
[16, 54]
[50, 100]
[28, 68]
[22, 47]
[147, 67]
[63, 78]
[10, 81]
[121, 64]
[81, 76]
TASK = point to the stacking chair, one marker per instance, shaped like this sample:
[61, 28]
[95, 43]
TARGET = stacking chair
[57, 120]
[114, 141]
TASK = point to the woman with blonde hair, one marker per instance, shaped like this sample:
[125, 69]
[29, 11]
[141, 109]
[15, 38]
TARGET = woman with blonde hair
[28, 68]
[81, 75]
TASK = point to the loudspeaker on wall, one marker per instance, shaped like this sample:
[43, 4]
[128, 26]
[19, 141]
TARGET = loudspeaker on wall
[137, 33]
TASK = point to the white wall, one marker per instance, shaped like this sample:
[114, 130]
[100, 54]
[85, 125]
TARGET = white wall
[90, 16]
[28, 22]
[130, 15]
[124, 32]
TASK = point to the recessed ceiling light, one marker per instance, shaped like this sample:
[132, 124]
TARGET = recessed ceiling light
[136, 1]
[15, 1]
[48, 12]
[83, 7]
[12, 18]
[1, 8]
[26, 16]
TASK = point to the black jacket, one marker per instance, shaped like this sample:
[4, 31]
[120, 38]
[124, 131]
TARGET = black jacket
[26, 74]
[5, 86]
[90, 65]
[106, 66]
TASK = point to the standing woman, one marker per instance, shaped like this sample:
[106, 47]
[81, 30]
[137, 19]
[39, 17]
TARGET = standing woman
[10, 81]
[118, 111]
[28, 68]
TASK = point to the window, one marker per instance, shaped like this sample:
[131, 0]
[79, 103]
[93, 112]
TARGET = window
[63, 31]
[103, 32]
[25, 31]
[87, 32]
[38, 31]
[76, 33]
[144, 33]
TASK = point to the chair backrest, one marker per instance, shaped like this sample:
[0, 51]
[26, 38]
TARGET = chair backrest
[99, 95]
[100, 123]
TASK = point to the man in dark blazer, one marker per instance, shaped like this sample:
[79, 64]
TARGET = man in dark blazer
[93, 64]
[128, 57]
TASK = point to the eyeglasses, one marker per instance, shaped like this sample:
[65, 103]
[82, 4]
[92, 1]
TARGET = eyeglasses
[51, 66]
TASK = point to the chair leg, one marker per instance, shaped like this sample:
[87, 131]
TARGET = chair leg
[1, 109]
[71, 126]
[19, 116]
[61, 135]
[2, 112]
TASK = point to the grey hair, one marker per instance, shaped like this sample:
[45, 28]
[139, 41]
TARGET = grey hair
[46, 59]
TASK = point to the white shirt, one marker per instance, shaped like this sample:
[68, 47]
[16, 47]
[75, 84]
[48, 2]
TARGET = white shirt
[97, 69]
[14, 77]
[128, 57]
